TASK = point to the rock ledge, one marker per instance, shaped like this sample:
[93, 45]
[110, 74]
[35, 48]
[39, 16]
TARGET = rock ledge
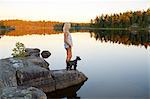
[30, 77]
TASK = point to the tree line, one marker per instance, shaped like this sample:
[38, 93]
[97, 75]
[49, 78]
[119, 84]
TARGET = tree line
[74, 26]
[38, 25]
[22, 24]
[23, 27]
[123, 20]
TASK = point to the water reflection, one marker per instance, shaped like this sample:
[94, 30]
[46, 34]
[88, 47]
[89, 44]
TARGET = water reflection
[3, 32]
[32, 31]
[114, 70]
[138, 38]
[22, 32]
[70, 92]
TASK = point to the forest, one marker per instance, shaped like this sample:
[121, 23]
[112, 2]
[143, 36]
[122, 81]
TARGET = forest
[127, 19]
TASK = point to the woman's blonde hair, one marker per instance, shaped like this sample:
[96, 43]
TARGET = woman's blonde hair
[66, 26]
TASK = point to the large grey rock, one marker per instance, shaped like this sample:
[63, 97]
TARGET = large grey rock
[36, 76]
[7, 74]
[32, 71]
[29, 71]
[22, 93]
[25, 71]
[64, 78]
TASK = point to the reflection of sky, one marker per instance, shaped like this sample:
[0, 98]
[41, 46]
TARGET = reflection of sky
[114, 70]
[66, 10]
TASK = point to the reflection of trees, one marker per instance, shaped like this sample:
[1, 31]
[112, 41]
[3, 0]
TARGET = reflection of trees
[22, 32]
[1, 36]
[2, 33]
[140, 38]
[72, 30]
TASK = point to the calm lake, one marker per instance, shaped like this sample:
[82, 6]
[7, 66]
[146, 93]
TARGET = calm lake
[117, 64]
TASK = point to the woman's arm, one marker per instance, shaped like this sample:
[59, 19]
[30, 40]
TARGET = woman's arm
[66, 39]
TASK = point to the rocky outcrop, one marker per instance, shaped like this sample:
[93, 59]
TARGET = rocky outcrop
[9, 83]
[7, 74]
[65, 78]
[21, 76]
[22, 93]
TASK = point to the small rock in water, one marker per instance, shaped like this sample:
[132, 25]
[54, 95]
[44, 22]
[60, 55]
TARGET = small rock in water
[45, 54]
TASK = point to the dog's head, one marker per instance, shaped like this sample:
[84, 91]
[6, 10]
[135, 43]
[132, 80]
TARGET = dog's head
[78, 58]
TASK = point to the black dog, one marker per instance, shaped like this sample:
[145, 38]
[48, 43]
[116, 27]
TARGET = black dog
[72, 63]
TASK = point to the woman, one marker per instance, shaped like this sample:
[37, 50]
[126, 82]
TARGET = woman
[67, 42]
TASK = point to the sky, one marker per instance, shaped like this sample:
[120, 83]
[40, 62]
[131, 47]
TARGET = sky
[66, 10]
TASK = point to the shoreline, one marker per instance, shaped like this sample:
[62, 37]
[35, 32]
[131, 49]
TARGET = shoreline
[90, 28]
